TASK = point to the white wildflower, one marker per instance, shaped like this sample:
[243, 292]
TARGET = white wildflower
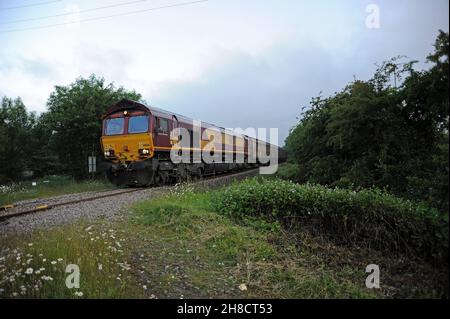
[243, 287]
[124, 266]
[78, 293]
[29, 271]
[47, 278]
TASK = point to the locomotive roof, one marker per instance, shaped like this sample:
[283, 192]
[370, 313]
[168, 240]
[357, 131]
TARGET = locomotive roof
[127, 104]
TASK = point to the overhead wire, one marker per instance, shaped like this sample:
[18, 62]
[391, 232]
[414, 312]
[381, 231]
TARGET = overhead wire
[70, 13]
[104, 17]
[29, 5]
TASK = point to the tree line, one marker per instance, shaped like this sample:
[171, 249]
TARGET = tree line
[390, 132]
[59, 140]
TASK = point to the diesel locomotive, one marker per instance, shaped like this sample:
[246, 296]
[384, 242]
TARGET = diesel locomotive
[137, 141]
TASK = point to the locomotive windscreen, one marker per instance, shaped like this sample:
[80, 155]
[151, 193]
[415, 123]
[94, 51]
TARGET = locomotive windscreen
[138, 124]
[115, 126]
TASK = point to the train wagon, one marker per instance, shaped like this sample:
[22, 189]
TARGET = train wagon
[137, 141]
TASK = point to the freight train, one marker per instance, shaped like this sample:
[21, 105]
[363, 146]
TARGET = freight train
[139, 143]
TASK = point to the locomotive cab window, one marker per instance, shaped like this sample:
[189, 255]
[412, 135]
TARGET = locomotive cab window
[138, 124]
[162, 126]
[115, 126]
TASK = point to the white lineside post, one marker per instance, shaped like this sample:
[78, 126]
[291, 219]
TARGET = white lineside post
[92, 164]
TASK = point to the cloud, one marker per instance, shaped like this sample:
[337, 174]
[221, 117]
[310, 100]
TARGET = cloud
[30, 79]
[247, 91]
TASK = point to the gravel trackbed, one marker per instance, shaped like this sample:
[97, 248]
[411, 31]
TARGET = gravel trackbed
[108, 207]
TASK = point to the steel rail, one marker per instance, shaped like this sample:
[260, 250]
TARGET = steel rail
[43, 207]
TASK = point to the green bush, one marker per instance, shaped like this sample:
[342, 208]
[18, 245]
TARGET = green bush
[288, 171]
[366, 217]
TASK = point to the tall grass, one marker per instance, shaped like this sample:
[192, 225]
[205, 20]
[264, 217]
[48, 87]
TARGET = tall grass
[35, 266]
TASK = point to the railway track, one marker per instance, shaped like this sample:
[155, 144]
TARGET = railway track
[46, 206]
[39, 205]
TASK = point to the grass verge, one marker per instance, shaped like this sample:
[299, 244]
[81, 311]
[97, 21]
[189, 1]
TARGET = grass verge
[35, 265]
[200, 253]
[179, 246]
[48, 187]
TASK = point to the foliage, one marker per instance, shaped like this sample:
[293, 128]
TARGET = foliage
[288, 171]
[373, 133]
[15, 147]
[367, 217]
[25, 143]
[59, 140]
[74, 117]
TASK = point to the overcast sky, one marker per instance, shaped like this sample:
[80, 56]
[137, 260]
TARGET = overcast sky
[234, 63]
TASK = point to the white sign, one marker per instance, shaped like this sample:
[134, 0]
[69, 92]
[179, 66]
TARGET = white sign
[92, 163]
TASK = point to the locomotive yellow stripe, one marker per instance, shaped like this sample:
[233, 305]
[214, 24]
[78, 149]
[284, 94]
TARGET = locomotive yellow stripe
[192, 149]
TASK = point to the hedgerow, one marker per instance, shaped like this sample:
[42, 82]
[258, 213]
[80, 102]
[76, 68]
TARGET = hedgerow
[368, 217]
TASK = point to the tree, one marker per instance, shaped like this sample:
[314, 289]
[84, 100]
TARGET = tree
[44, 158]
[74, 120]
[15, 148]
[373, 133]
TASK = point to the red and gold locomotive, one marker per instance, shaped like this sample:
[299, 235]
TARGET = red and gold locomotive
[137, 141]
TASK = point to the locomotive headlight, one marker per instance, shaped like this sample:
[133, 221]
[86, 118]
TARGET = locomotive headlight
[144, 151]
[109, 153]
